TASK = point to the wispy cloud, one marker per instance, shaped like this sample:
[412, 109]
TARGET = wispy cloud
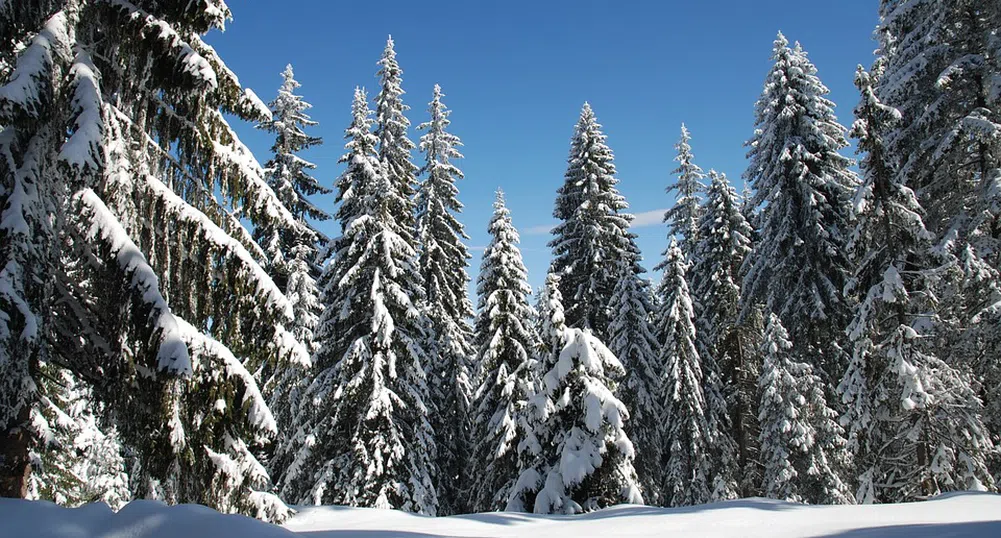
[542, 229]
[477, 248]
[648, 218]
[640, 220]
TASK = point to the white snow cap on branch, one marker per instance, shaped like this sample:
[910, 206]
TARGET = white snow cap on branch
[173, 353]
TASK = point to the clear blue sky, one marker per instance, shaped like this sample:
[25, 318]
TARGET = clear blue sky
[516, 73]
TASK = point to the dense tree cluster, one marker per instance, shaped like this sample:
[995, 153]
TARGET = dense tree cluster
[173, 326]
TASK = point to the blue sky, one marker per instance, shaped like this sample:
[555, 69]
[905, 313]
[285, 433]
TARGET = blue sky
[516, 73]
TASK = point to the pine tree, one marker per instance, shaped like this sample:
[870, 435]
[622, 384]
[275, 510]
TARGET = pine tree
[914, 421]
[593, 233]
[683, 217]
[442, 262]
[802, 446]
[633, 342]
[120, 184]
[289, 176]
[724, 242]
[394, 147]
[532, 421]
[799, 264]
[507, 344]
[583, 456]
[939, 66]
[291, 258]
[366, 439]
[697, 463]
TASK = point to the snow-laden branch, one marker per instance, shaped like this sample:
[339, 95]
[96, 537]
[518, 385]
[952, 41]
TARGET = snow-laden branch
[161, 32]
[256, 278]
[84, 150]
[172, 353]
[203, 349]
[30, 82]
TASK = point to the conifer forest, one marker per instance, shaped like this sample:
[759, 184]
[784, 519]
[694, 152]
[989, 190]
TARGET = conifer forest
[175, 326]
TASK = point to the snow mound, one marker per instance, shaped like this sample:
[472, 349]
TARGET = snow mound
[138, 519]
[963, 515]
[957, 515]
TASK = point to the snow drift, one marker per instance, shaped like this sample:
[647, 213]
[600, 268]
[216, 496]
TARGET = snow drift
[957, 515]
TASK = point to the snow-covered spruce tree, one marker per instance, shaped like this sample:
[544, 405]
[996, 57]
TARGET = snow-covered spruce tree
[683, 217]
[583, 458]
[632, 340]
[291, 257]
[698, 464]
[394, 147]
[289, 176]
[914, 422]
[593, 233]
[119, 182]
[535, 430]
[802, 446]
[799, 263]
[724, 242]
[507, 343]
[442, 261]
[365, 438]
[940, 66]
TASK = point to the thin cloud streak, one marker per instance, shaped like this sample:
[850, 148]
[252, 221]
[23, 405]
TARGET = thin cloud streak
[648, 218]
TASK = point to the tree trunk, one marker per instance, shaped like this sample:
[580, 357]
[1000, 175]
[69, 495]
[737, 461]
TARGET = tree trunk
[15, 462]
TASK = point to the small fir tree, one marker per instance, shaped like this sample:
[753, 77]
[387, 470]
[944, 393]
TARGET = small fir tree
[802, 446]
[507, 344]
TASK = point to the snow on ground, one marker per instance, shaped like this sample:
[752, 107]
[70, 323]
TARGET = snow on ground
[962, 515]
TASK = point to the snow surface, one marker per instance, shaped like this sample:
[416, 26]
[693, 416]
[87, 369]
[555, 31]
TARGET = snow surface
[956, 515]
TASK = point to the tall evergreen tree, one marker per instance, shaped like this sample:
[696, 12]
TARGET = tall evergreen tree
[366, 439]
[119, 187]
[584, 458]
[593, 233]
[914, 421]
[394, 147]
[683, 217]
[442, 262]
[291, 257]
[939, 67]
[799, 264]
[633, 341]
[697, 466]
[802, 447]
[724, 242]
[507, 343]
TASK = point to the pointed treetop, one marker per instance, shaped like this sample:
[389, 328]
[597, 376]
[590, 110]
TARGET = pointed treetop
[780, 41]
[682, 218]
[673, 252]
[388, 60]
[288, 75]
[359, 107]
[499, 199]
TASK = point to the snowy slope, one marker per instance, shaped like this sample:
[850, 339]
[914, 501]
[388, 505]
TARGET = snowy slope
[965, 515]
